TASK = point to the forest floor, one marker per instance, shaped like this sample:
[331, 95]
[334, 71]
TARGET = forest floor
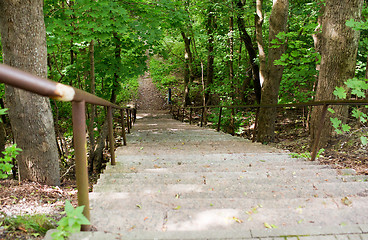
[20, 198]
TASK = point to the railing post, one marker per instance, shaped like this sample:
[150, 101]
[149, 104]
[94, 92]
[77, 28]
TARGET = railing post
[134, 114]
[232, 121]
[182, 119]
[131, 118]
[219, 121]
[190, 115]
[255, 125]
[123, 126]
[318, 133]
[128, 121]
[80, 143]
[111, 135]
[202, 116]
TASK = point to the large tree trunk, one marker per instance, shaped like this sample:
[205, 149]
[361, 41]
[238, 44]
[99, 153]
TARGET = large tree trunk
[339, 50]
[273, 73]
[210, 56]
[251, 51]
[24, 47]
[93, 107]
[187, 68]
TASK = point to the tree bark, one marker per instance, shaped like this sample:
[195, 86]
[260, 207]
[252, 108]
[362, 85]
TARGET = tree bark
[24, 46]
[251, 51]
[259, 39]
[339, 50]
[272, 73]
[210, 56]
[187, 68]
[93, 107]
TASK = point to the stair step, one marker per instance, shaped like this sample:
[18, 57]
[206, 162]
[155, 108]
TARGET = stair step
[126, 201]
[242, 190]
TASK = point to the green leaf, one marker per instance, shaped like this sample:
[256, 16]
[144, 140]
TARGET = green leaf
[345, 128]
[340, 92]
[335, 122]
[364, 140]
[331, 110]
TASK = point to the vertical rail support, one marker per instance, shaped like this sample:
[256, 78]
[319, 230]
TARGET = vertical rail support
[232, 121]
[182, 119]
[131, 118]
[255, 126]
[128, 121]
[111, 135]
[219, 120]
[318, 133]
[134, 114]
[202, 116]
[190, 115]
[80, 147]
[177, 116]
[123, 127]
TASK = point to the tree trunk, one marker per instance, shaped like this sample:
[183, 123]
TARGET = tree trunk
[339, 50]
[231, 57]
[273, 73]
[93, 107]
[251, 51]
[187, 68]
[24, 47]
[210, 56]
[259, 38]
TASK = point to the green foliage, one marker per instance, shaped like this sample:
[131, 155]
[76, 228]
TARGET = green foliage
[306, 155]
[357, 88]
[71, 223]
[10, 153]
[37, 224]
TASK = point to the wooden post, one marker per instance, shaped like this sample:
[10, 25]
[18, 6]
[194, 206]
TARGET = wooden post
[232, 121]
[255, 126]
[111, 135]
[219, 120]
[128, 121]
[202, 116]
[123, 126]
[190, 115]
[182, 119]
[81, 171]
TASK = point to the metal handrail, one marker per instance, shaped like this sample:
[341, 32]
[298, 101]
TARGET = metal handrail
[44, 87]
[325, 105]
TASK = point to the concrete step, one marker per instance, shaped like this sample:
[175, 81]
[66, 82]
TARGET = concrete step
[243, 175]
[218, 178]
[222, 219]
[353, 231]
[121, 201]
[241, 190]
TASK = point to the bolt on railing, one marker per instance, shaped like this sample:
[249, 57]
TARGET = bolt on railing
[20, 79]
[315, 146]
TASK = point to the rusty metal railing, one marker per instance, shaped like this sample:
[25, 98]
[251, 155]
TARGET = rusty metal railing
[324, 104]
[79, 98]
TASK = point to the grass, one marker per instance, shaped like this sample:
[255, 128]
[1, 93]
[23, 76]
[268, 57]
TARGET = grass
[35, 225]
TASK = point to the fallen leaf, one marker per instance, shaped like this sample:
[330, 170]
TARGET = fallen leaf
[145, 218]
[177, 208]
[346, 201]
[237, 220]
[138, 206]
[270, 226]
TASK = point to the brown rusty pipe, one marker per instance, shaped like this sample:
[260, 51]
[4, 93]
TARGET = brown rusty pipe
[26, 81]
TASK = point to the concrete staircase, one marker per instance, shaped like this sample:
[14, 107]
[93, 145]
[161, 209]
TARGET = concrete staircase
[176, 181]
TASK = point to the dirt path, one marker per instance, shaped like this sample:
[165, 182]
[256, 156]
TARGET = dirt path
[149, 98]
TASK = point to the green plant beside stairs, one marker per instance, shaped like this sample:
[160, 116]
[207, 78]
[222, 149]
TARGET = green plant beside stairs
[71, 223]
